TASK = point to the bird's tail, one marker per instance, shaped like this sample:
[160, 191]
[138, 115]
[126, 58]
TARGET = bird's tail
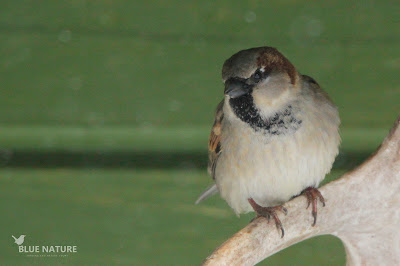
[207, 193]
[14, 237]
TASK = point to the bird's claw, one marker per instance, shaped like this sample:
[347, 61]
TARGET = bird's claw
[268, 212]
[313, 195]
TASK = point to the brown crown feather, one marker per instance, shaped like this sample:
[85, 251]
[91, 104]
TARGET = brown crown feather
[272, 60]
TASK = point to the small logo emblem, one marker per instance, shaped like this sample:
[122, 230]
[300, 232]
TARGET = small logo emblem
[19, 240]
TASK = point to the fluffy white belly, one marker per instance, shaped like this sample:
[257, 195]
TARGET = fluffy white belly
[273, 169]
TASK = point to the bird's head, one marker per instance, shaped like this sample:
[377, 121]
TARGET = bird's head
[262, 75]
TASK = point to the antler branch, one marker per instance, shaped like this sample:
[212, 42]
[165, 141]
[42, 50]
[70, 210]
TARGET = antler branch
[363, 210]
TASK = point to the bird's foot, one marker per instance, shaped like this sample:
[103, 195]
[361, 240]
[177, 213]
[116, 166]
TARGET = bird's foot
[269, 212]
[313, 195]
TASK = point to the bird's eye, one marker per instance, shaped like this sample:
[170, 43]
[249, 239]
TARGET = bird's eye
[257, 76]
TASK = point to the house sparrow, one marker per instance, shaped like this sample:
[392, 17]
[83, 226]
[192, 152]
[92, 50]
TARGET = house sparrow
[275, 135]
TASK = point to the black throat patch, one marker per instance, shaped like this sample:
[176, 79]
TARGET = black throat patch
[280, 123]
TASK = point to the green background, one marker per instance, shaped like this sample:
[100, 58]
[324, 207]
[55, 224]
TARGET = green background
[106, 108]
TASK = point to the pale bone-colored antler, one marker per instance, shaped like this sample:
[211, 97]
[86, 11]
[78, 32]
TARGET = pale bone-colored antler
[362, 209]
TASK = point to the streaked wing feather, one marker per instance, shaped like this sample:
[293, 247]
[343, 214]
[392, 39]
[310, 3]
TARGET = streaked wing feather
[214, 150]
[214, 144]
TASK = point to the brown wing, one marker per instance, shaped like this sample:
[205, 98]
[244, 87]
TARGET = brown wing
[214, 143]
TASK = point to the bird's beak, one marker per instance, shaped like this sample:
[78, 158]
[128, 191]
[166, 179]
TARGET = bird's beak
[236, 87]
